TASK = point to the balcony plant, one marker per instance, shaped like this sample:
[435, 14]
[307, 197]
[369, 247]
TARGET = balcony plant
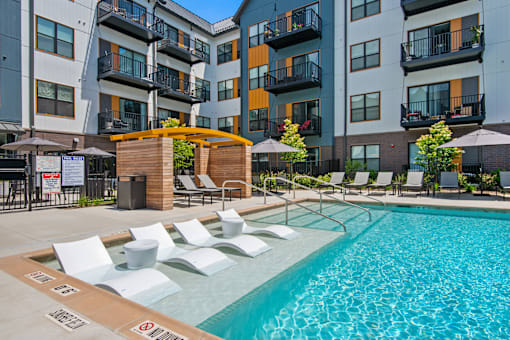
[408, 45]
[477, 33]
[277, 32]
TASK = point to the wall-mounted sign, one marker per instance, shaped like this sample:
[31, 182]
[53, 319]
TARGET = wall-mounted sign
[50, 184]
[47, 164]
[73, 171]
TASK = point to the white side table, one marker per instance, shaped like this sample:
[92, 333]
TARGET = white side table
[232, 227]
[141, 253]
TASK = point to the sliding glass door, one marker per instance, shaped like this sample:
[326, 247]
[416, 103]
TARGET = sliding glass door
[430, 100]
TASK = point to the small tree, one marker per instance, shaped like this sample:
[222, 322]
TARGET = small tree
[291, 137]
[432, 158]
[184, 153]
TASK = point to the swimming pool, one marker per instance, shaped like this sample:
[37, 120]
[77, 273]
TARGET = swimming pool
[411, 272]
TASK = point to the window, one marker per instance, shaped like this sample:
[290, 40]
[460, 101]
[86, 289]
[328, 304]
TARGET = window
[429, 41]
[203, 122]
[305, 111]
[226, 124]
[300, 16]
[429, 100]
[171, 33]
[301, 67]
[257, 77]
[225, 89]
[4, 139]
[413, 153]
[55, 99]
[313, 155]
[55, 38]
[171, 76]
[164, 114]
[205, 85]
[365, 55]
[132, 63]
[365, 107]
[258, 119]
[225, 52]
[256, 33]
[203, 49]
[366, 154]
[364, 8]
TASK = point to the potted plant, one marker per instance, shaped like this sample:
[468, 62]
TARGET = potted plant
[299, 26]
[277, 32]
[294, 26]
[477, 32]
[408, 46]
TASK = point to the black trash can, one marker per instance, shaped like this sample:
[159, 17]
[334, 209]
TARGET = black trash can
[131, 192]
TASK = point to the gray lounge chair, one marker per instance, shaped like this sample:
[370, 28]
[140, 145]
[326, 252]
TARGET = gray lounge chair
[360, 181]
[337, 178]
[189, 194]
[449, 180]
[504, 182]
[383, 181]
[209, 184]
[189, 184]
[414, 181]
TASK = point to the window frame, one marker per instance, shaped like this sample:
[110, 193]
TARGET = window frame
[226, 90]
[201, 49]
[56, 85]
[225, 54]
[364, 161]
[202, 118]
[259, 78]
[365, 10]
[55, 38]
[207, 88]
[365, 107]
[364, 43]
[259, 121]
[226, 119]
[307, 114]
[259, 35]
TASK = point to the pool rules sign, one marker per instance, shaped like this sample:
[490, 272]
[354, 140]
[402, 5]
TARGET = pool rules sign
[151, 330]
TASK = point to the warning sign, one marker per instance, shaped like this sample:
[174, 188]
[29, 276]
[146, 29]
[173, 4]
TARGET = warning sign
[50, 184]
[65, 290]
[66, 319]
[39, 277]
[151, 330]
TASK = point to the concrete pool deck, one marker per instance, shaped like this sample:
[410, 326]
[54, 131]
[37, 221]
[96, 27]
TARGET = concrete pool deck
[32, 231]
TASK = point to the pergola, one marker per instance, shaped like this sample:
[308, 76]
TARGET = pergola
[221, 155]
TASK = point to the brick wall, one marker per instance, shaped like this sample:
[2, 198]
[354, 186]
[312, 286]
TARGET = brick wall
[153, 158]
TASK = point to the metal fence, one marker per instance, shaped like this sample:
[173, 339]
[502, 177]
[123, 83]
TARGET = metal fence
[312, 168]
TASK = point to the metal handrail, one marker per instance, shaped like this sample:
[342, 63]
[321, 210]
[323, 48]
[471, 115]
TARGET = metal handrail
[316, 191]
[342, 189]
[282, 198]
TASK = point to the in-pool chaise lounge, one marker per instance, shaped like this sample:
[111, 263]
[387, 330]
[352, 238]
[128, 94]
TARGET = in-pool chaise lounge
[194, 233]
[209, 184]
[89, 261]
[279, 231]
[204, 260]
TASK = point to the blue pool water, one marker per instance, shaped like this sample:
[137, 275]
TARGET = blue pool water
[410, 273]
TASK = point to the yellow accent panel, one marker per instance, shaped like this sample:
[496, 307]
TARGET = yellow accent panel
[258, 99]
[181, 38]
[236, 124]
[236, 87]
[115, 106]
[181, 82]
[288, 110]
[258, 55]
[234, 50]
[455, 92]
[289, 21]
[288, 65]
[456, 26]
[183, 133]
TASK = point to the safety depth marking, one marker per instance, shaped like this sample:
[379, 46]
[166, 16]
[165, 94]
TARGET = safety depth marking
[65, 290]
[39, 277]
[67, 319]
[151, 330]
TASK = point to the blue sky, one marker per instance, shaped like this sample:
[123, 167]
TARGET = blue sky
[211, 10]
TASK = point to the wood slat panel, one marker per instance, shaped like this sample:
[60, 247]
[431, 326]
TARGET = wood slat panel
[258, 55]
[258, 99]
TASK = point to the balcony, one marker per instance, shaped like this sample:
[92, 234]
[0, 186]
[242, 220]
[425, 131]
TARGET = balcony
[128, 71]
[443, 49]
[412, 7]
[294, 29]
[182, 90]
[455, 111]
[308, 127]
[116, 122]
[131, 19]
[183, 49]
[292, 78]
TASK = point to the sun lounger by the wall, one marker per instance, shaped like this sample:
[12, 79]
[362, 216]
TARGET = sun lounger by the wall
[89, 261]
[204, 260]
[275, 230]
[194, 233]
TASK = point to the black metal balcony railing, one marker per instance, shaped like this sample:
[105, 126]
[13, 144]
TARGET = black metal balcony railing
[412, 7]
[183, 90]
[129, 71]
[179, 45]
[293, 29]
[292, 78]
[443, 49]
[307, 127]
[455, 110]
[113, 122]
[130, 18]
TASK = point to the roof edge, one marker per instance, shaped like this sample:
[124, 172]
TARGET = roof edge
[237, 17]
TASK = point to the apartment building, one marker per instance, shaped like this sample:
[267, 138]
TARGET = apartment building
[411, 63]
[287, 71]
[115, 66]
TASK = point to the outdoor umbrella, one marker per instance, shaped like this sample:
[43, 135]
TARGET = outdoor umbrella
[35, 144]
[272, 146]
[479, 138]
[92, 152]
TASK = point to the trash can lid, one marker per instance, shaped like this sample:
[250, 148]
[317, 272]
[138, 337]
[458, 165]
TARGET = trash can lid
[140, 245]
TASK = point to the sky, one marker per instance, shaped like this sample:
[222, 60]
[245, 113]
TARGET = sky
[211, 10]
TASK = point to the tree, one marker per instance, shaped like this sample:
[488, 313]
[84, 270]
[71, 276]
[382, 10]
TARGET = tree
[432, 158]
[291, 137]
[184, 153]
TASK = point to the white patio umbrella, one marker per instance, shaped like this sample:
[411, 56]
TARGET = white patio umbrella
[272, 146]
[35, 144]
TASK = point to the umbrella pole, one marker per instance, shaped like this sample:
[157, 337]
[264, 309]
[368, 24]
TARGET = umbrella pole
[30, 180]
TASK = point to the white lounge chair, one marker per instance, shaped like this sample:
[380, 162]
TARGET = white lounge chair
[275, 230]
[194, 233]
[204, 260]
[89, 261]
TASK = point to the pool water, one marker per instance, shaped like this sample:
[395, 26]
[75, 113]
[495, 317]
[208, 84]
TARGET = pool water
[410, 273]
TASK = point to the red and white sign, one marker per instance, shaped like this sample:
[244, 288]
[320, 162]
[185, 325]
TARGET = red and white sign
[50, 184]
[151, 330]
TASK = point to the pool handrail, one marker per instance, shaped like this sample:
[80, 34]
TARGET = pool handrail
[342, 189]
[316, 191]
[282, 198]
